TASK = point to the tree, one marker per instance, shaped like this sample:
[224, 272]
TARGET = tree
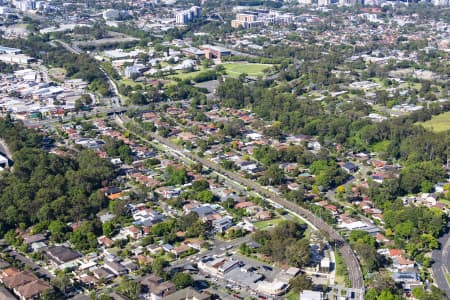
[158, 265]
[273, 176]
[57, 230]
[300, 283]
[368, 255]
[298, 253]
[200, 185]
[284, 243]
[404, 230]
[108, 228]
[51, 294]
[371, 294]
[388, 295]
[62, 281]
[176, 176]
[205, 196]
[129, 288]
[84, 238]
[340, 189]
[297, 196]
[182, 280]
[274, 131]
[383, 281]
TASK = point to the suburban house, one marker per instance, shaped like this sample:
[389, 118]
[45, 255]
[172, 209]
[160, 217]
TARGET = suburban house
[155, 288]
[350, 167]
[59, 255]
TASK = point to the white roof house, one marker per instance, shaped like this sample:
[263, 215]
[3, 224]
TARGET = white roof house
[311, 295]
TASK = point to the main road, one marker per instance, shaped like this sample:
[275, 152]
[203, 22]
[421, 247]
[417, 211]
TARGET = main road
[351, 261]
[354, 269]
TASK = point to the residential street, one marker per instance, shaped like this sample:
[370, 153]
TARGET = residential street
[441, 265]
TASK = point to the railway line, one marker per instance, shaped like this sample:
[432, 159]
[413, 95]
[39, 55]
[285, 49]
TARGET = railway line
[351, 261]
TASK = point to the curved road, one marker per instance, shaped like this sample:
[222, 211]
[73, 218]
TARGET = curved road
[354, 269]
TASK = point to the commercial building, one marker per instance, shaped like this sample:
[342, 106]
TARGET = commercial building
[111, 15]
[20, 59]
[215, 52]
[252, 19]
[187, 294]
[8, 50]
[274, 288]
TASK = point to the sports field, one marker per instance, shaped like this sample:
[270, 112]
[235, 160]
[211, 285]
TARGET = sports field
[253, 70]
[439, 123]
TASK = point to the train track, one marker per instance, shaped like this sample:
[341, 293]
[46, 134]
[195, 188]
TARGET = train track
[350, 259]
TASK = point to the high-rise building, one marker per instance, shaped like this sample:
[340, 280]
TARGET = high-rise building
[323, 2]
[245, 20]
[349, 2]
[25, 5]
[182, 18]
[441, 2]
[197, 11]
[187, 16]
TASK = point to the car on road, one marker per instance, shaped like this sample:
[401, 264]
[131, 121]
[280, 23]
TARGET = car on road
[267, 268]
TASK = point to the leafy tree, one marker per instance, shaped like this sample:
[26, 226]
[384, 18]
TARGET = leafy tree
[205, 196]
[282, 242]
[272, 176]
[108, 228]
[85, 237]
[300, 283]
[182, 280]
[44, 186]
[176, 176]
[57, 230]
[200, 185]
[62, 281]
[158, 265]
[388, 295]
[129, 288]
[298, 253]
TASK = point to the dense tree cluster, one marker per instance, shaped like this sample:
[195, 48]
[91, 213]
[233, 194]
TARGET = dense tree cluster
[43, 187]
[176, 176]
[415, 228]
[190, 224]
[284, 244]
[17, 136]
[117, 148]
[365, 246]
